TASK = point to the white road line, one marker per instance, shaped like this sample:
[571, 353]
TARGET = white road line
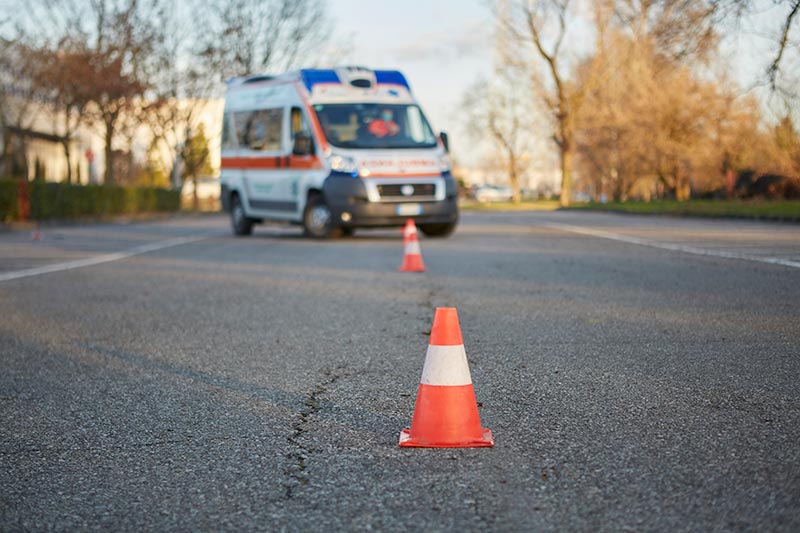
[673, 247]
[98, 259]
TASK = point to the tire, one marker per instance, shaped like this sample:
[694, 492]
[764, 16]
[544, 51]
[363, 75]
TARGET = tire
[241, 224]
[438, 230]
[318, 220]
[348, 232]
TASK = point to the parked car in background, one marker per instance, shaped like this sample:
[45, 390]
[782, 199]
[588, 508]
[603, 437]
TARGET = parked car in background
[493, 193]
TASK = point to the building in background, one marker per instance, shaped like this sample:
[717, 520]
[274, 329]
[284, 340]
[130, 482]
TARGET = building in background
[33, 138]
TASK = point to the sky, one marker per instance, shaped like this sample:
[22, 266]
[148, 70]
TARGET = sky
[441, 46]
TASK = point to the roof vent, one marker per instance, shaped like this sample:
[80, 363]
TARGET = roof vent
[256, 79]
[361, 83]
[357, 77]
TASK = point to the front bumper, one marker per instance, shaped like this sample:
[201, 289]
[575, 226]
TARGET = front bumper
[347, 196]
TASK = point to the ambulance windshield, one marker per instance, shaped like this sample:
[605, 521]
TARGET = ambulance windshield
[375, 126]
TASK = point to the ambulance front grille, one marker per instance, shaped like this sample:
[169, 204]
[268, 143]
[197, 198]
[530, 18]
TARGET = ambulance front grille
[393, 192]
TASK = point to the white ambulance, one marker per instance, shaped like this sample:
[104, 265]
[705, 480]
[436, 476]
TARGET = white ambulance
[333, 150]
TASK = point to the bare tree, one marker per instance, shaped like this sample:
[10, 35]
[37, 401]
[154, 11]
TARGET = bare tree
[650, 110]
[677, 29]
[109, 43]
[784, 36]
[64, 74]
[652, 124]
[255, 36]
[501, 110]
[196, 157]
[668, 39]
[125, 58]
[773, 70]
[542, 25]
[20, 100]
[182, 84]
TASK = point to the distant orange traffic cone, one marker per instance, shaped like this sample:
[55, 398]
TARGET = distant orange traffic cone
[446, 413]
[412, 253]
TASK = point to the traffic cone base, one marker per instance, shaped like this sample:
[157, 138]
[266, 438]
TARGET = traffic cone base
[412, 263]
[446, 417]
[486, 441]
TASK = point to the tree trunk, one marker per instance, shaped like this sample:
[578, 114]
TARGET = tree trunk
[513, 177]
[566, 174]
[195, 196]
[616, 186]
[19, 158]
[5, 157]
[131, 174]
[67, 156]
[597, 193]
[65, 144]
[683, 190]
[109, 175]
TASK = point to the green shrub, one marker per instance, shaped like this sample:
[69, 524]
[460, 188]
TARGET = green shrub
[50, 201]
[8, 200]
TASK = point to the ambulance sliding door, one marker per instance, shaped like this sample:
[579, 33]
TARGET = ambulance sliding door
[262, 133]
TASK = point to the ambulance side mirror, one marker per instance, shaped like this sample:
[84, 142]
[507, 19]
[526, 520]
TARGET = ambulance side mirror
[445, 142]
[303, 144]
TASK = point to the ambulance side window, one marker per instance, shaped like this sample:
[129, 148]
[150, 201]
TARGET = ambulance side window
[227, 134]
[299, 124]
[302, 140]
[260, 130]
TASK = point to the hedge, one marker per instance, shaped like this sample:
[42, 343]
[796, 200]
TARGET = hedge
[49, 201]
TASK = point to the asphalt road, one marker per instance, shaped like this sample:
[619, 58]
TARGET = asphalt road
[638, 374]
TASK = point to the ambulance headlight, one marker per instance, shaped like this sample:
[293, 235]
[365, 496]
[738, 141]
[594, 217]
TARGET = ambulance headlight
[343, 163]
[444, 163]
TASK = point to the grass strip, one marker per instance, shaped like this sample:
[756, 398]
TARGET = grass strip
[528, 205]
[788, 210]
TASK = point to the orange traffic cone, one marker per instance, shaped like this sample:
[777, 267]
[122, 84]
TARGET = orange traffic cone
[412, 254]
[446, 414]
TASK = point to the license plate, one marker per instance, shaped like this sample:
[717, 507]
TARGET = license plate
[409, 209]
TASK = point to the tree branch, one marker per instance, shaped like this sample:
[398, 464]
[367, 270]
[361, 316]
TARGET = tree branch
[772, 70]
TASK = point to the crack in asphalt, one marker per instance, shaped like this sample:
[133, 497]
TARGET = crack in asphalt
[301, 452]
[429, 303]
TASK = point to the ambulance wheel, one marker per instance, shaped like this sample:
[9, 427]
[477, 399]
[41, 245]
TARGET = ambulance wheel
[318, 220]
[239, 221]
[438, 230]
